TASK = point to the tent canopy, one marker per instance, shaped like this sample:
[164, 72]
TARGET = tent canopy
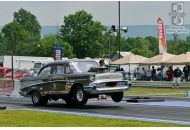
[158, 59]
[181, 59]
[130, 59]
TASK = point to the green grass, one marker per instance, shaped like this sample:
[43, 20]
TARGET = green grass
[20, 118]
[149, 91]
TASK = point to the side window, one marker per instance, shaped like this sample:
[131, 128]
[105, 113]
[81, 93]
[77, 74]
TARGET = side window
[68, 69]
[45, 71]
[58, 69]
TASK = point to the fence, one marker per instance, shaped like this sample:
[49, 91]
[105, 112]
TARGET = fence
[6, 86]
[158, 84]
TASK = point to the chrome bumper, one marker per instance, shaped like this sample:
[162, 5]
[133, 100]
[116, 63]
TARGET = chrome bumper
[98, 89]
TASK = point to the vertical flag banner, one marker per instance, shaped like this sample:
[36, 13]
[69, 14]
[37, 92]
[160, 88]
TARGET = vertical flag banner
[58, 52]
[161, 37]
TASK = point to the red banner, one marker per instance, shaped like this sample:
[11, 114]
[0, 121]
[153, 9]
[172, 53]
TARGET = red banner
[161, 37]
[6, 87]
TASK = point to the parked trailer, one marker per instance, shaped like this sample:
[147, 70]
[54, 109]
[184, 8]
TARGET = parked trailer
[21, 61]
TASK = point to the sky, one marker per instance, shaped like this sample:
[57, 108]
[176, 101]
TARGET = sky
[132, 13]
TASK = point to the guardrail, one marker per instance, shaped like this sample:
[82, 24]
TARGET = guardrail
[158, 84]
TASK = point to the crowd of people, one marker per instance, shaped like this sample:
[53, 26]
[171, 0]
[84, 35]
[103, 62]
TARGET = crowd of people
[176, 75]
[147, 74]
[157, 75]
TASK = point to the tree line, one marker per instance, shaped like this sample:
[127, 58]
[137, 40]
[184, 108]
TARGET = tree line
[79, 35]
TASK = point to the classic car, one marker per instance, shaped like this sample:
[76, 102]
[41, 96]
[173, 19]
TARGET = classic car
[74, 81]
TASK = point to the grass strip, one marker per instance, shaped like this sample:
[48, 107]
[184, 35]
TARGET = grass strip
[26, 118]
[151, 91]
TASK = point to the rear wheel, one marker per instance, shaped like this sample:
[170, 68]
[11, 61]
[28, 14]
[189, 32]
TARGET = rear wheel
[117, 96]
[38, 100]
[80, 96]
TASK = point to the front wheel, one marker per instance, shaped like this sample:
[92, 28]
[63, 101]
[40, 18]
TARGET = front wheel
[117, 96]
[38, 100]
[80, 96]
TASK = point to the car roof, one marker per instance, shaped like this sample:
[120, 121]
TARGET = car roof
[65, 61]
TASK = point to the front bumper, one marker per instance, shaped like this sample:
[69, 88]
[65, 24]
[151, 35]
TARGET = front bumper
[100, 88]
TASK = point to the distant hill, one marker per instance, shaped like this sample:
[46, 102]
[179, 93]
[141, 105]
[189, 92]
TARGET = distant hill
[134, 31]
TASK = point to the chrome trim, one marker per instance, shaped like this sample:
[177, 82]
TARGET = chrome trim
[106, 90]
[95, 88]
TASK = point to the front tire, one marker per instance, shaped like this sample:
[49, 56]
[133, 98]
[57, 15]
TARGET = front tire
[38, 100]
[80, 96]
[117, 96]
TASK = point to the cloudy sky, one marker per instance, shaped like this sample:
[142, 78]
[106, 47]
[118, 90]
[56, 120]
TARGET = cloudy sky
[132, 13]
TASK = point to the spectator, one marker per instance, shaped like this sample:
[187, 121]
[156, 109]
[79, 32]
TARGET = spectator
[148, 74]
[31, 72]
[159, 77]
[102, 63]
[122, 69]
[143, 74]
[137, 74]
[170, 73]
[117, 69]
[177, 77]
[186, 72]
[153, 73]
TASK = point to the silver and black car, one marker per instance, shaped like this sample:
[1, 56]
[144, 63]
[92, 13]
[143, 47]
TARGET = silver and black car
[74, 81]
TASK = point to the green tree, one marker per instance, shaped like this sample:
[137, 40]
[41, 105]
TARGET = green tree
[29, 22]
[84, 34]
[47, 44]
[1, 38]
[114, 44]
[13, 34]
[147, 46]
[2, 46]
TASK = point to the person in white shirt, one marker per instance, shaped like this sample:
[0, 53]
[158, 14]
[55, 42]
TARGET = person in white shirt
[143, 74]
[148, 74]
[137, 74]
[31, 72]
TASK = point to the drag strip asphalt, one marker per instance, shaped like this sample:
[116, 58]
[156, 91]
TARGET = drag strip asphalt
[168, 111]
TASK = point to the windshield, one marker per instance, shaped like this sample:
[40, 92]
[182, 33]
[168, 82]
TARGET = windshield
[82, 66]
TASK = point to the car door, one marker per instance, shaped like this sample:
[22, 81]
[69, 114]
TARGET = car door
[45, 75]
[42, 80]
[58, 78]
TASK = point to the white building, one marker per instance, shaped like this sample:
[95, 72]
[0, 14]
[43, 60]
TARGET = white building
[22, 61]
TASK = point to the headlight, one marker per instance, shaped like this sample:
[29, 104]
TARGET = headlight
[92, 78]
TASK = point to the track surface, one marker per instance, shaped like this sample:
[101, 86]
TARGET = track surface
[168, 111]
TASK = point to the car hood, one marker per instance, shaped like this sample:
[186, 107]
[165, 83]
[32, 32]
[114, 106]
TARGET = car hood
[107, 76]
